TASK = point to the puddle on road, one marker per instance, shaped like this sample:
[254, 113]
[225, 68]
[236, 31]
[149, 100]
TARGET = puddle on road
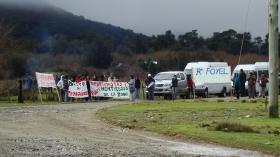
[206, 149]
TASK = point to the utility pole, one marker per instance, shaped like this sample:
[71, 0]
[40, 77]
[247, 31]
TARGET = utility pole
[273, 59]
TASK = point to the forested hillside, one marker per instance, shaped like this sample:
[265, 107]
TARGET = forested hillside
[41, 37]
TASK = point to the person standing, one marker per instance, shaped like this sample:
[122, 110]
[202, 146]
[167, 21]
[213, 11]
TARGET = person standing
[60, 85]
[115, 79]
[243, 79]
[251, 85]
[131, 84]
[190, 87]
[88, 88]
[150, 83]
[110, 79]
[174, 87]
[262, 82]
[237, 85]
[137, 88]
[65, 88]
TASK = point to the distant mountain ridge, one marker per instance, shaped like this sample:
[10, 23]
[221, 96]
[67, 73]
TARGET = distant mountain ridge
[40, 21]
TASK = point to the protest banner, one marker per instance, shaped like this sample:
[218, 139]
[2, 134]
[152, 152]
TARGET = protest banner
[78, 89]
[109, 89]
[46, 81]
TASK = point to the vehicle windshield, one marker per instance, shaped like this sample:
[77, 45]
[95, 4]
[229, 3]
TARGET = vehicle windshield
[164, 76]
[188, 71]
[247, 72]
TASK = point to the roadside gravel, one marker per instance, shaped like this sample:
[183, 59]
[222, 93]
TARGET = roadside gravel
[72, 130]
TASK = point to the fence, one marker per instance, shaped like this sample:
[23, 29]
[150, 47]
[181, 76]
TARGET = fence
[10, 91]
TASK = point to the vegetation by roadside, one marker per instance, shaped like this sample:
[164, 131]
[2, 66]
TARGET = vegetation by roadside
[240, 124]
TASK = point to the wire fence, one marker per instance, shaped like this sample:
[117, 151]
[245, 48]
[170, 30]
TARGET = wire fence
[10, 90]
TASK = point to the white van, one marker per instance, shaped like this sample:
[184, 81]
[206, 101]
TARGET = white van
[210, 77]
[258, 67]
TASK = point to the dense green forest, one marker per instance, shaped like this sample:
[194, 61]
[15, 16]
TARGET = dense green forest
[28, 31]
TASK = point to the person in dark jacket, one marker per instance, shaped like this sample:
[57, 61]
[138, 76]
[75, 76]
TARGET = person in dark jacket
[237, 85]
[174, 87]
[150, 84]
[65, 87]
[243, 79]
[137, 87]
[88, 88]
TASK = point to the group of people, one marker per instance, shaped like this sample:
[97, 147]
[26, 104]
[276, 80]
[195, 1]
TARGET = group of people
[189, 84]
[135, 86]
[63, 83]
[149, 84]
[240, 79]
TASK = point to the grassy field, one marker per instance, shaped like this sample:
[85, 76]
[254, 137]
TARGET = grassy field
[203, 121]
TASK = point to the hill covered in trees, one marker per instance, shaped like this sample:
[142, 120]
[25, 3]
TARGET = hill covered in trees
[36, 36]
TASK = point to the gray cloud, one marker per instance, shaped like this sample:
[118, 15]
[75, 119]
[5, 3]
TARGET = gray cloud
[157, 16]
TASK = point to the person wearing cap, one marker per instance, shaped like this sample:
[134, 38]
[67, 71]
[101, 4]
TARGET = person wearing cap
[150, 84]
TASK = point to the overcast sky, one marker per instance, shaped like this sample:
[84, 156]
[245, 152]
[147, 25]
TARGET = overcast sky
[156, 16]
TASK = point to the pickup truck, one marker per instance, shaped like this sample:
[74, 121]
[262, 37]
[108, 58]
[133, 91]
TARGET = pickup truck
[163, 84]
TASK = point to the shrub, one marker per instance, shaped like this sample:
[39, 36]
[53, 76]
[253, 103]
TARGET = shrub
[234, 127]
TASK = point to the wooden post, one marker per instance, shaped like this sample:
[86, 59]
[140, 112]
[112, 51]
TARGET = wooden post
[273, 59]
[20, 96]
[59, 99]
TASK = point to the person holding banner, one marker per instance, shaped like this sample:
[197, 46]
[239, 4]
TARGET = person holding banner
[88, 88]
[131, 84]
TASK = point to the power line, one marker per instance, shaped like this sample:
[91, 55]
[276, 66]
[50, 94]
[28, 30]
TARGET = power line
[245, 29]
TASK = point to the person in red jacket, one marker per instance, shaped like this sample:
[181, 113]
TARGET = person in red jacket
[190, 87]
[251, 85]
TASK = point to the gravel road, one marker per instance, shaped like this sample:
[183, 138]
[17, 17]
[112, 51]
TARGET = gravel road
[72, 130]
